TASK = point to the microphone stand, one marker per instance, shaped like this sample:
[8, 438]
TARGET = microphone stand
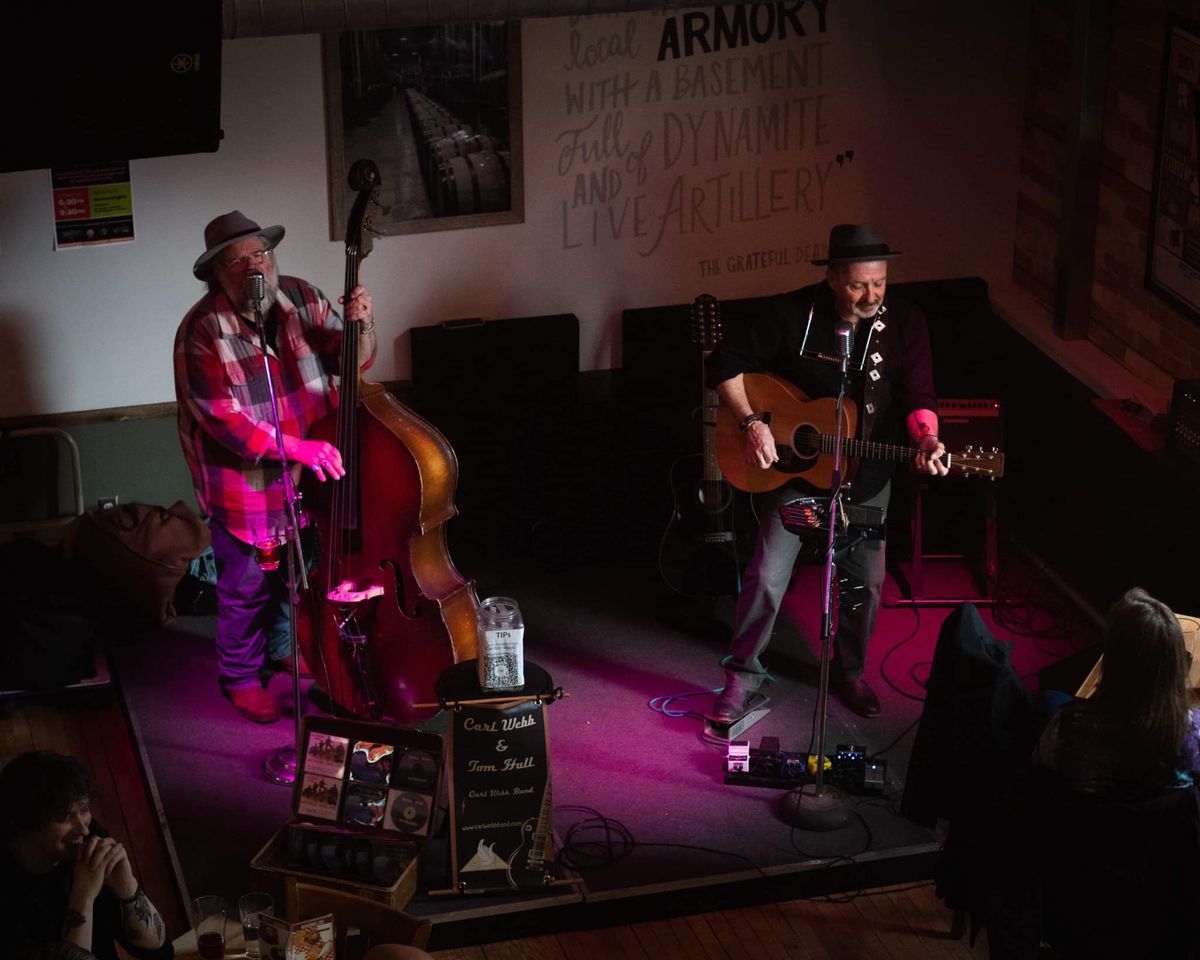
[280, 764]
[818, 805]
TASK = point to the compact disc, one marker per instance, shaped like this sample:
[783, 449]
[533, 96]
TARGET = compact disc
[417, 768]
[409, 812]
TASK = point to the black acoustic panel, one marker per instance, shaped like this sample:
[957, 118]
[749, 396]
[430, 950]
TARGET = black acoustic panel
[82, 82]
[460, 364]
[660, 360]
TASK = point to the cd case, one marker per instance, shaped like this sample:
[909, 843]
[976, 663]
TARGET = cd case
[361, 775]
[365, 799]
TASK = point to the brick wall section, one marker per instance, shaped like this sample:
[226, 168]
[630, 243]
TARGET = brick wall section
[1043, 150]
[1143, 333]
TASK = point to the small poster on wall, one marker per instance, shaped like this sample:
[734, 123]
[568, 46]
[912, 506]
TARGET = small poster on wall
[93, 203]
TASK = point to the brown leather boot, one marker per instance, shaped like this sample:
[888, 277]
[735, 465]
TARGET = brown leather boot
[253, 703]
[858, 696]
[733, 702]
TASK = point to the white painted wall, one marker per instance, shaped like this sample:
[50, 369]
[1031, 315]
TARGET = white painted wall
[928, 96]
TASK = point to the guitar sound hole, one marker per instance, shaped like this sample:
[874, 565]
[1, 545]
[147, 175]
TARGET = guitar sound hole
[715, 499]
[806, 447]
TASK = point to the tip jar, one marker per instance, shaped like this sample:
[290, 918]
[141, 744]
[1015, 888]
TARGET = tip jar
[501, 633]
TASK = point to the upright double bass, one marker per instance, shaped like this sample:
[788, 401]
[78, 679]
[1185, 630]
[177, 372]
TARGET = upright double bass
[387, 610]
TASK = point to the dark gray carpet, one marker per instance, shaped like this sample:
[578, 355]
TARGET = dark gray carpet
[636, 786]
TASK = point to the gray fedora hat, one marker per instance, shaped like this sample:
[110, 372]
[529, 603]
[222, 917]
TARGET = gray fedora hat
[230, 228]
[856, 243]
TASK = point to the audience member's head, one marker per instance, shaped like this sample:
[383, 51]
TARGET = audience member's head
[45, 807]
[1146, 669]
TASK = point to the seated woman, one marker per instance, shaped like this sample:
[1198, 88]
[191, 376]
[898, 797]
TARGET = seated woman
[1117, 825]
[61, 875]
[1137, 735]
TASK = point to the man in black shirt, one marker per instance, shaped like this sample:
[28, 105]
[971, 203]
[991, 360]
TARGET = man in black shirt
[890, 380]
[62, 877]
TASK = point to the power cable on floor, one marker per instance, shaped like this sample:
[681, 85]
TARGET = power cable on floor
[598, 841]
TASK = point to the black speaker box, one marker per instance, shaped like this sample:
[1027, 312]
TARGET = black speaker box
[83, 82]
[472, 365]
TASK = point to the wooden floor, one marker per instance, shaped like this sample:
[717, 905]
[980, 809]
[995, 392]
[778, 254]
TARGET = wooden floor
[893, 923]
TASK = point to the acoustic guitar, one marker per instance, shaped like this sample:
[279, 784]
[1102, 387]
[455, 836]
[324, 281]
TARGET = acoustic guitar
[698, 554]
[804, 432]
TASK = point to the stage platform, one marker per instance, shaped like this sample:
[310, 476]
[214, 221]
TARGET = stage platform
[641, 808]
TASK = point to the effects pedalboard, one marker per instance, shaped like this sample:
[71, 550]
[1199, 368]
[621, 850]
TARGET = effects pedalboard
[768, 766]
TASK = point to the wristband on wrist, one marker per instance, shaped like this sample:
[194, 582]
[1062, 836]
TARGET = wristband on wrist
[368, 326]
[136, 893]
[753, 418]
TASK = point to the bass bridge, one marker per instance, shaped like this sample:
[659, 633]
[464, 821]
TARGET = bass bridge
[354, 615]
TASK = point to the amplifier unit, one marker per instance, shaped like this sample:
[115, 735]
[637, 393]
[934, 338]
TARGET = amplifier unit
[976, 423]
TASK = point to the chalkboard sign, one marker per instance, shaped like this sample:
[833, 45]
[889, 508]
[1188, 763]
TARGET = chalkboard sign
[500, 800]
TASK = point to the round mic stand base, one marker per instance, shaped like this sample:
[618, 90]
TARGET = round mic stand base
[808, 809]
[280, 766]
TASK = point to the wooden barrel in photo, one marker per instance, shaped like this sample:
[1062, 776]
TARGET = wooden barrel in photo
[457, 144]
[476, 183]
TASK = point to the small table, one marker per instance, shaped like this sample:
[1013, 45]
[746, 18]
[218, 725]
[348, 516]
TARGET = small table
[235, 945]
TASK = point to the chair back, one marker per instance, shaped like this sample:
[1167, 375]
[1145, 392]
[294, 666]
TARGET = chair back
[376, 923]
[1119, 878]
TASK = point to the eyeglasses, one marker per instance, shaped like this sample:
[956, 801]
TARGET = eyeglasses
[257, 258]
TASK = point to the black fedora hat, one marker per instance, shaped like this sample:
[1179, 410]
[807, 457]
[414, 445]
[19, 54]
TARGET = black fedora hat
[855, 243]
[230, 228]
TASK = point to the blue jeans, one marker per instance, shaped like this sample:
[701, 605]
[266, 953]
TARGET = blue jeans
[252, 611]
[766, 581]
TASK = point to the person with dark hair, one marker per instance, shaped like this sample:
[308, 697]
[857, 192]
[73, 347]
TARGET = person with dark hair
[890, 380]
[62, 877]
[227, 431]
[1137, 735]
[1109, 815]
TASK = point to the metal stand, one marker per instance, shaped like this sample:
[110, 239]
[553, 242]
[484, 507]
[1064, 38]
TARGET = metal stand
[280, 765]
[820, 806]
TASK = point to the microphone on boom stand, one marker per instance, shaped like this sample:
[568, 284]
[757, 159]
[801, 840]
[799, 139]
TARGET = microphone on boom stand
[280, 765]
[819, 805]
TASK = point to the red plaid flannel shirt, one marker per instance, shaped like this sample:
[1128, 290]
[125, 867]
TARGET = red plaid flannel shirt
[226, 426]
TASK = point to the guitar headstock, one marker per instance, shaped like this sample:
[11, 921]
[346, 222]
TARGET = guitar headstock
[706, 321]
[973, 462]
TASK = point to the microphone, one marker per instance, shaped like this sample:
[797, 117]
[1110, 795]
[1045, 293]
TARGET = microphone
[255, 286]
[844, 331]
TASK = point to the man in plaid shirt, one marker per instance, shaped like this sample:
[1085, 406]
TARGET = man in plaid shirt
[226, 429]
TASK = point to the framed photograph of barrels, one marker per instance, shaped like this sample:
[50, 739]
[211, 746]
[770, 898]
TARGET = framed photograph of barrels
[1173, 247]
[438, 109]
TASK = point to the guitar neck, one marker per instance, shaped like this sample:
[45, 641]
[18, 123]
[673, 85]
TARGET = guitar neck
[872, 451]
[712, 469]
[865, 448]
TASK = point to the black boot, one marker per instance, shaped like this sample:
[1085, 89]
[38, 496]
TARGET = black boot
[733, 702]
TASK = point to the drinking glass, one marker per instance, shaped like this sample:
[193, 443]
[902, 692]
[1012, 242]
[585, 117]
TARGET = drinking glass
[267, 550]
[208, 918]
[249, 907]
